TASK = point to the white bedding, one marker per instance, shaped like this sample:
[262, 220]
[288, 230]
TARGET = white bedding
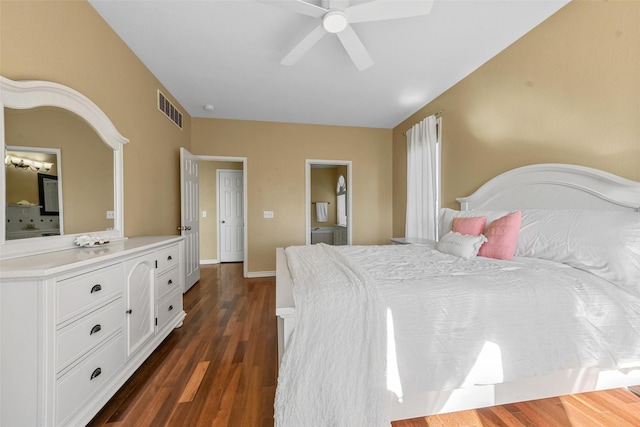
[332, 375]
[453, 323]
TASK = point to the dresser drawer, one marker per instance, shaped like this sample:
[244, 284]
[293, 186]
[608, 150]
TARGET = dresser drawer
[167, 282]
[87, 332]
[168, 258]
[169, 308]
[77, 294]
[81, 383]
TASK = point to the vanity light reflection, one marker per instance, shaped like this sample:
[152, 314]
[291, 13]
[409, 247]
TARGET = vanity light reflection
[34, 198]
[23, 163]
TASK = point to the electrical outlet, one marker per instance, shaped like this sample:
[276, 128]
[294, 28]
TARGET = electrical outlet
[267, 214]
[111, 214]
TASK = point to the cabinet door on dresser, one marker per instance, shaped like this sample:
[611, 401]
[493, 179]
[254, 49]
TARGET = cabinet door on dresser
[139, 302]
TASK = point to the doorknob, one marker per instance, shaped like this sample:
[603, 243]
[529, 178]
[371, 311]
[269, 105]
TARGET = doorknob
[223, 221]
[185, 228]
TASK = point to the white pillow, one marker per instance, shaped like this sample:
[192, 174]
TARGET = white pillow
[447, 215]
[460, 245]
[605, 243]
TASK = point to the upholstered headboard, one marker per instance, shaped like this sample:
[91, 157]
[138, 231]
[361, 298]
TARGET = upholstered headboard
[555, 186]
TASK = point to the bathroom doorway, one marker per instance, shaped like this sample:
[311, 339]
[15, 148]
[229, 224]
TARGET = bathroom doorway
[328, 202]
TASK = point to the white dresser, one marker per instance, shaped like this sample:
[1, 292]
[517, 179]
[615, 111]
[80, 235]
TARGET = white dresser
[75, 324]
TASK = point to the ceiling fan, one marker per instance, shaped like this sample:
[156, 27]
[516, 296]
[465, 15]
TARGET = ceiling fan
[337, 17]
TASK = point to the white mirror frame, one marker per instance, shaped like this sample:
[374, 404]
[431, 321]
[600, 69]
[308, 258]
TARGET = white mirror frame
[31, 94]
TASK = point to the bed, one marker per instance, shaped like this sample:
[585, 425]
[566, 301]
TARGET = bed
[380, 333]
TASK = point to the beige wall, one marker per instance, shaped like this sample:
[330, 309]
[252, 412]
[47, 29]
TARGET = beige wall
[67, 42]
[208, 203]
[566, 92]
[276, 154]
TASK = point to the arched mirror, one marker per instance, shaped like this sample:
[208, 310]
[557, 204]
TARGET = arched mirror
[62, 174]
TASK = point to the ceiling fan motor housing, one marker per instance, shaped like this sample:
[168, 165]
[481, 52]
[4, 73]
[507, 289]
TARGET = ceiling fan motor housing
[335, 21]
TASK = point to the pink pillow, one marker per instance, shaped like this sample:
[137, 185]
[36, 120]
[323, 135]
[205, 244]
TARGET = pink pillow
[471, 226]
[502, 235]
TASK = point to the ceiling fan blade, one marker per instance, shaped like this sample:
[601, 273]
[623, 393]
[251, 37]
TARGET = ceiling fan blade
[355, 48]
[301, 7]
[381, 10]
[301, 48]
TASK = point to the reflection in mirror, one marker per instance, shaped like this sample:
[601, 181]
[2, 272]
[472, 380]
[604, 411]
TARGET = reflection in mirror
[85, 164]
[25, 217]
[327, 180]
[341, 196]
[48, 194]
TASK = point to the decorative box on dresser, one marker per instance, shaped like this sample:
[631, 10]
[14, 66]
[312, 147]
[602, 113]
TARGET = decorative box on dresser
[75, 325]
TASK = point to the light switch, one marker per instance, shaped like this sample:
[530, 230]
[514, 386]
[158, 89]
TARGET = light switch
[267, 214]
[204, 214]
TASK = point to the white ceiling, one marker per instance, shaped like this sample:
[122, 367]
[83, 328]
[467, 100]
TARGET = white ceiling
[227, 53]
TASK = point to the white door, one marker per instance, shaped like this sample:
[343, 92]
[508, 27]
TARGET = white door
[189, 225]
[231, 215]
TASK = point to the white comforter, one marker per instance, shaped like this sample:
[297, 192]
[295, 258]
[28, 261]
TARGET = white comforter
[437, 322]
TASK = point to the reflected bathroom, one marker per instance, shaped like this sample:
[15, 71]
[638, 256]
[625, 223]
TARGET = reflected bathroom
[328, 213]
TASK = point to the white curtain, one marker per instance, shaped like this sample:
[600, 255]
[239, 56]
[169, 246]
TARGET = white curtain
[423, 179]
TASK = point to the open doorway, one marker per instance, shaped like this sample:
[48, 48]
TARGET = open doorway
[223, 210]
[328, 202]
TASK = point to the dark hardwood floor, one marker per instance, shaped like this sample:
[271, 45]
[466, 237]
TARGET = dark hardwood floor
[219, 369]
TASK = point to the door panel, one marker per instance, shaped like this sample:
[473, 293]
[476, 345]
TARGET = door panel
[140, 302]
[189, 215]
[231, 216]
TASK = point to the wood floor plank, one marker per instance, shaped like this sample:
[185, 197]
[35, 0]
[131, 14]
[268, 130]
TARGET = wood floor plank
[152, 407]
[194, 382]
[498, 416]
[578, 414]
[220, 367]
[545, 412]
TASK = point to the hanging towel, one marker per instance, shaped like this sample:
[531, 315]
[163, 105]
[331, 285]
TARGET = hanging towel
[321, 211]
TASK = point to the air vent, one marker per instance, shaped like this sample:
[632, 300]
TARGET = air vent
[169, 110]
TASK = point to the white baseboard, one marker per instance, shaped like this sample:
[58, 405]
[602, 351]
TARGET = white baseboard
[253, 274]
[209, 261]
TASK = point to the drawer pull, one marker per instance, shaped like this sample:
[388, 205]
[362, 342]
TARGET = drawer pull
[129, 311]
[96, 288]
[95, 373]
[170, 282]
[170, 307]
[169, 258]
[95, 329]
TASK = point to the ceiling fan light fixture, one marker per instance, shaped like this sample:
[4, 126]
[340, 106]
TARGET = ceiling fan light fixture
[335, 21]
